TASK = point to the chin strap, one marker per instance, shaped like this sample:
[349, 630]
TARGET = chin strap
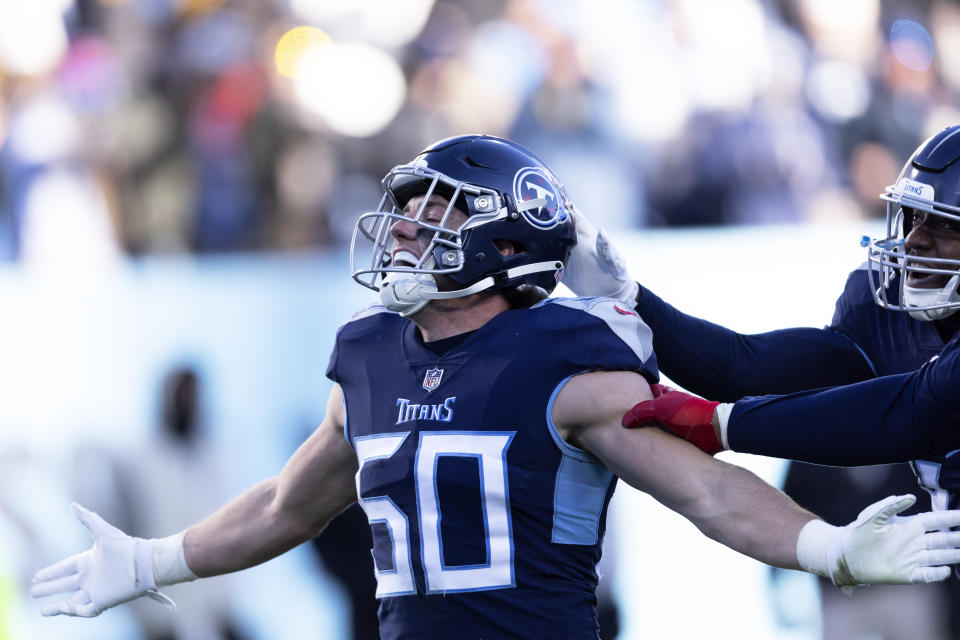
[407, 295]
[917, 297]
[489, 281]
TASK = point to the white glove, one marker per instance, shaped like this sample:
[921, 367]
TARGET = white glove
[880, 547]
[596, 268]
[116, 569]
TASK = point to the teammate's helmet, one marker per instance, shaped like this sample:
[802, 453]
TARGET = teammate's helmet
[929, 184]
[508, 194]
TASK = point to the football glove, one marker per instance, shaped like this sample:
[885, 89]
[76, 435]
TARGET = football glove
[880, 547]
[596, 268]
[116, 569]
[683, 415]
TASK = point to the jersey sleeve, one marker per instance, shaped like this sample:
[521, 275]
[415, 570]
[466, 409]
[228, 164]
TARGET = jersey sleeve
[853, 309]
[601, 334]
[359, 325]
[721, 364]
[332, 372]
[889, 419]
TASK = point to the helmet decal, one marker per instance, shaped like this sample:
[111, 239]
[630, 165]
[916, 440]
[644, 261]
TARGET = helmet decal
[533, 183]
[916, 189]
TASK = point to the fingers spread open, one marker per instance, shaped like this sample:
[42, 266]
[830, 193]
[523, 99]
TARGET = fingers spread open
[59, 585]
[933, 520]
[942, 540]
[930, 574]
[59, 570]
[932, 557]
[892, 505]
[78, 604]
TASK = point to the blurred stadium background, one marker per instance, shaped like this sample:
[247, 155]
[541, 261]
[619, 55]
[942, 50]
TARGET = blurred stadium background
[179, 180]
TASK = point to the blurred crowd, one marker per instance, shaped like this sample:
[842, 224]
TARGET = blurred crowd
[132, 127]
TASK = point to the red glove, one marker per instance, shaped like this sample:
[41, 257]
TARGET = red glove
[682, 414]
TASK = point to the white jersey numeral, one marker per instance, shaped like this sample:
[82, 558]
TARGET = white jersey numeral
[489, 449]
[399, 580]
[928, 475]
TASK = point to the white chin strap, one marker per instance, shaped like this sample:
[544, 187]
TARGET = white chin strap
[917, 297]
[407, 293]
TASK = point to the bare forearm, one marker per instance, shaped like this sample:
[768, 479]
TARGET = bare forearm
[752, 517]
[245, 532]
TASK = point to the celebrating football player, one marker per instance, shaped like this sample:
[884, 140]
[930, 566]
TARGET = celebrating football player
[478, 423]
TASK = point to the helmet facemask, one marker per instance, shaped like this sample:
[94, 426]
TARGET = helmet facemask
[889, 265]
[406, 282]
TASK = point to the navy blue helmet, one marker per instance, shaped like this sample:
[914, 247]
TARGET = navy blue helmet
[928, 185]
[510, 197]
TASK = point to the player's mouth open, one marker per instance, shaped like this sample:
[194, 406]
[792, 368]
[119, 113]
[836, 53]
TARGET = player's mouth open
[924, 280]
[403, 258]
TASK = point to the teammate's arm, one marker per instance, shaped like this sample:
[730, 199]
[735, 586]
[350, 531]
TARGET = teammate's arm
[890, 419]
[738, 509]
[704, 357]
[261, 523]
[895, 418]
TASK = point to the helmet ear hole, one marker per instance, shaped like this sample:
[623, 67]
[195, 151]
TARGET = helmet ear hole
[509, 247]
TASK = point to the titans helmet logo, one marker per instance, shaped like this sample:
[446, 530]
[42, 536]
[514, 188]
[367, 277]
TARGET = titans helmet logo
[533, 184]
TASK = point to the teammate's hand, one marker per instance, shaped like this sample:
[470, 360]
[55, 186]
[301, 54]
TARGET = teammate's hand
[117, 568]
[880, 547]
[682, 414]
[596, 268]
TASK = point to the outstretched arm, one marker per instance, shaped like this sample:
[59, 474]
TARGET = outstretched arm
[736, 508]
[271, 518]
[726, 502]
[263, 522]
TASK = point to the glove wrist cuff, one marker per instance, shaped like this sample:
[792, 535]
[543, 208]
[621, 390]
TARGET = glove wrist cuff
[169, 562]
[628, 293]
[722, 417]
[143, 565]
[813, 547]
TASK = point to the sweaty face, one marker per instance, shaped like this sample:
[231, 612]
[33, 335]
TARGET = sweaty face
[931, 236]
[411, 238]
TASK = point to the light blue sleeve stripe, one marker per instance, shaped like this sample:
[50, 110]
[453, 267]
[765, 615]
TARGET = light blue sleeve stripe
[580, 490]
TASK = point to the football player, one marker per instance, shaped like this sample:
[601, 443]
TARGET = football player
[478, 425]
[894, 334]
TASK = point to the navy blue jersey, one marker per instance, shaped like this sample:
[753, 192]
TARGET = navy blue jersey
[891, 341]
[486, 524]
[885, 419]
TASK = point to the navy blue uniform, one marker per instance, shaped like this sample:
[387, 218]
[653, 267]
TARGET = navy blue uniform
[906, 408]
[486, 524]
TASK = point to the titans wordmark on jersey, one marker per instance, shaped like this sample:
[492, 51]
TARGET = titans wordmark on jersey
[485, 522]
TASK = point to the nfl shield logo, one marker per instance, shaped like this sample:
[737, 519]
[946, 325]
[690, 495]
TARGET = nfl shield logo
[432, 380]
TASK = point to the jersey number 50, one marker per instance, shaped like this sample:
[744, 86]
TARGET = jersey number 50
[489, 448]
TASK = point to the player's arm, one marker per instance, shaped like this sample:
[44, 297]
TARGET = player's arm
[704, 357]
[890, 419]
[738, 509]
[261, 523]
[271, 518]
